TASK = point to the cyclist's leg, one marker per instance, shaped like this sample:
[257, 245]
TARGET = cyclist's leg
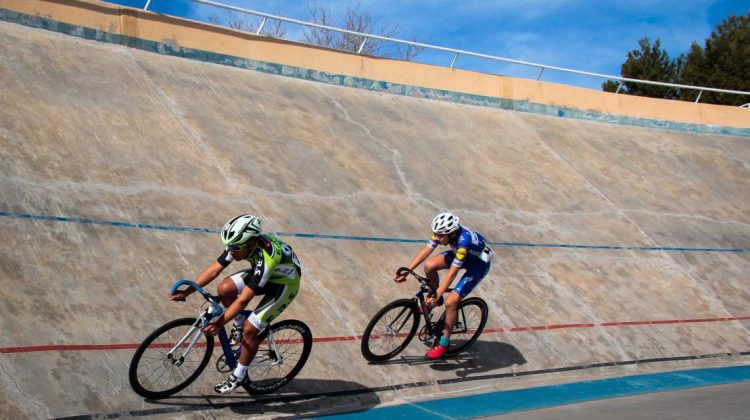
[451, 313]
[436, 263]
[228, 290]
[231, 287]
[277, 298]
[471, 278]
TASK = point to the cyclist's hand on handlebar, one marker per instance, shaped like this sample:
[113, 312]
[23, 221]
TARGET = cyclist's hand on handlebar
[179, 296]
[211, 329]
[399, 278]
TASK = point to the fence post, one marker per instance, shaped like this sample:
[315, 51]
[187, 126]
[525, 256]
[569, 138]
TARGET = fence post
[454, 60]
[380, 38]
[359, 51]
[260, 28]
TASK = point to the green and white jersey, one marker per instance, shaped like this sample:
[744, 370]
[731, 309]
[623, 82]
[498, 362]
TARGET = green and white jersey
[272, 261]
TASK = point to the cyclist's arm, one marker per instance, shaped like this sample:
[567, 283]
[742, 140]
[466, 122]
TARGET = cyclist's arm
[207, 276]
[423, 254]
[262, 270]
[461, 252]
[236, 307]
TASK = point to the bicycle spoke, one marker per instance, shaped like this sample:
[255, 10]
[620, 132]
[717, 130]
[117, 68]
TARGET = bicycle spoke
[389, 331]
[153, 375]
[472, 316]
[278, 360]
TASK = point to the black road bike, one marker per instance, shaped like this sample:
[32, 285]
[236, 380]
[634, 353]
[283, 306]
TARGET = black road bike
[394, 326]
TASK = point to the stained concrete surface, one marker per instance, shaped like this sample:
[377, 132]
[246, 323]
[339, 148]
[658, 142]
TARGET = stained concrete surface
[106, 133]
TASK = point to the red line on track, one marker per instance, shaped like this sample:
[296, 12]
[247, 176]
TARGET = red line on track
[132, 346]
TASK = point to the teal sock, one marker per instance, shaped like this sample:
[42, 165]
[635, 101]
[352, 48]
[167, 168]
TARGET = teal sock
[444, 341]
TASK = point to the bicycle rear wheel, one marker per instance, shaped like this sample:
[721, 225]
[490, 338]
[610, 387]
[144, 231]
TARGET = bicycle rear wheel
[277, 362]
[390, 330]
[472, 317]
[154, 373]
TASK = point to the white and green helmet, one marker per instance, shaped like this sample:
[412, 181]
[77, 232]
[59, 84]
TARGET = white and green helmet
[240, 230]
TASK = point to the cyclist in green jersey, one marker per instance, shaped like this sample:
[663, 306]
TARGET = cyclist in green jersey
[274, 273]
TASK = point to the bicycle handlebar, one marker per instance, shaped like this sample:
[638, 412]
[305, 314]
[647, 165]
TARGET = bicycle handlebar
[403, 271]
[213, 300]
[426, 286]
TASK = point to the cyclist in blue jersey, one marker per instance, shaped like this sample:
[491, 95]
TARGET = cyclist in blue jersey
[274, 273]
[469, 251]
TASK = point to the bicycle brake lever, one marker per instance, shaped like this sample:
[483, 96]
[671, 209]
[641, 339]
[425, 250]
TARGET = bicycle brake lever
[402, 271]
[213, 300]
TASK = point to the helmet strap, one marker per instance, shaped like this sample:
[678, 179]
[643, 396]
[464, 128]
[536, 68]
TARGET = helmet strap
[255, 246]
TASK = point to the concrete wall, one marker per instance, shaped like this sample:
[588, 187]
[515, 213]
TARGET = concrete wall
[107, 152]
[134, 24]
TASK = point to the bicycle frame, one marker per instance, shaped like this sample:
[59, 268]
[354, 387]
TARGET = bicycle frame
[431, 328]
[231, 355]
[436, 328]
[160, 367]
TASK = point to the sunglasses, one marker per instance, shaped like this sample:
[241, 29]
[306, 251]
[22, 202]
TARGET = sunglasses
[235, 248]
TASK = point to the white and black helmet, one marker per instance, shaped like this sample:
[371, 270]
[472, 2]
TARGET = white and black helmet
[240, 230]
[445, 223]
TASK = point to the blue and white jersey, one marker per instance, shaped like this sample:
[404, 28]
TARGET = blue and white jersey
[469, 247]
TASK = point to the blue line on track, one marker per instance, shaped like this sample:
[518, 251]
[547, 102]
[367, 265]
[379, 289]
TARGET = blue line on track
[355, 238]
[504, 402]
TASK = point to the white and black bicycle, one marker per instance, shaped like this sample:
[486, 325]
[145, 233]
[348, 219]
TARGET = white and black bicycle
[176, 353]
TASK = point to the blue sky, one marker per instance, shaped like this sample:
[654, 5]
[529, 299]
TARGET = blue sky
[587, 35]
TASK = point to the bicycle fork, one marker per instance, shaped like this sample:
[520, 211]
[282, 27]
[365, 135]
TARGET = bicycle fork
[196, 333]
[399, 318]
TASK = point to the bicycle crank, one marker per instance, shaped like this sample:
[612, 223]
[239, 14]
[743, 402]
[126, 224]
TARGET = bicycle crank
[221, 364]
[426, 337]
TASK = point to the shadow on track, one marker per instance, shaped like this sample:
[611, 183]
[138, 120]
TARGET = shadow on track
[481, 357]
[302, 397]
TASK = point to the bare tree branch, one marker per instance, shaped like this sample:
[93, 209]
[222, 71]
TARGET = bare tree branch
[272, 28]
[360, 21]
[315, 36]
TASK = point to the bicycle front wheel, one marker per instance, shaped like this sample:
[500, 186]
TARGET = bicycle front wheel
[472, 317]
[160, 368]
[279, 359]
[390, 330]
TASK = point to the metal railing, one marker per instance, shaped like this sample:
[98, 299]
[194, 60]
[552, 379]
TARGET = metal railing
[456, 52]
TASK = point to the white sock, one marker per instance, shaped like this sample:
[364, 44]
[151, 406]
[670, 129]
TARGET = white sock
[240, 371]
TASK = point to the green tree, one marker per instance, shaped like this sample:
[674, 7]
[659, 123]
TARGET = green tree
[723, 63]
[652, 63]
